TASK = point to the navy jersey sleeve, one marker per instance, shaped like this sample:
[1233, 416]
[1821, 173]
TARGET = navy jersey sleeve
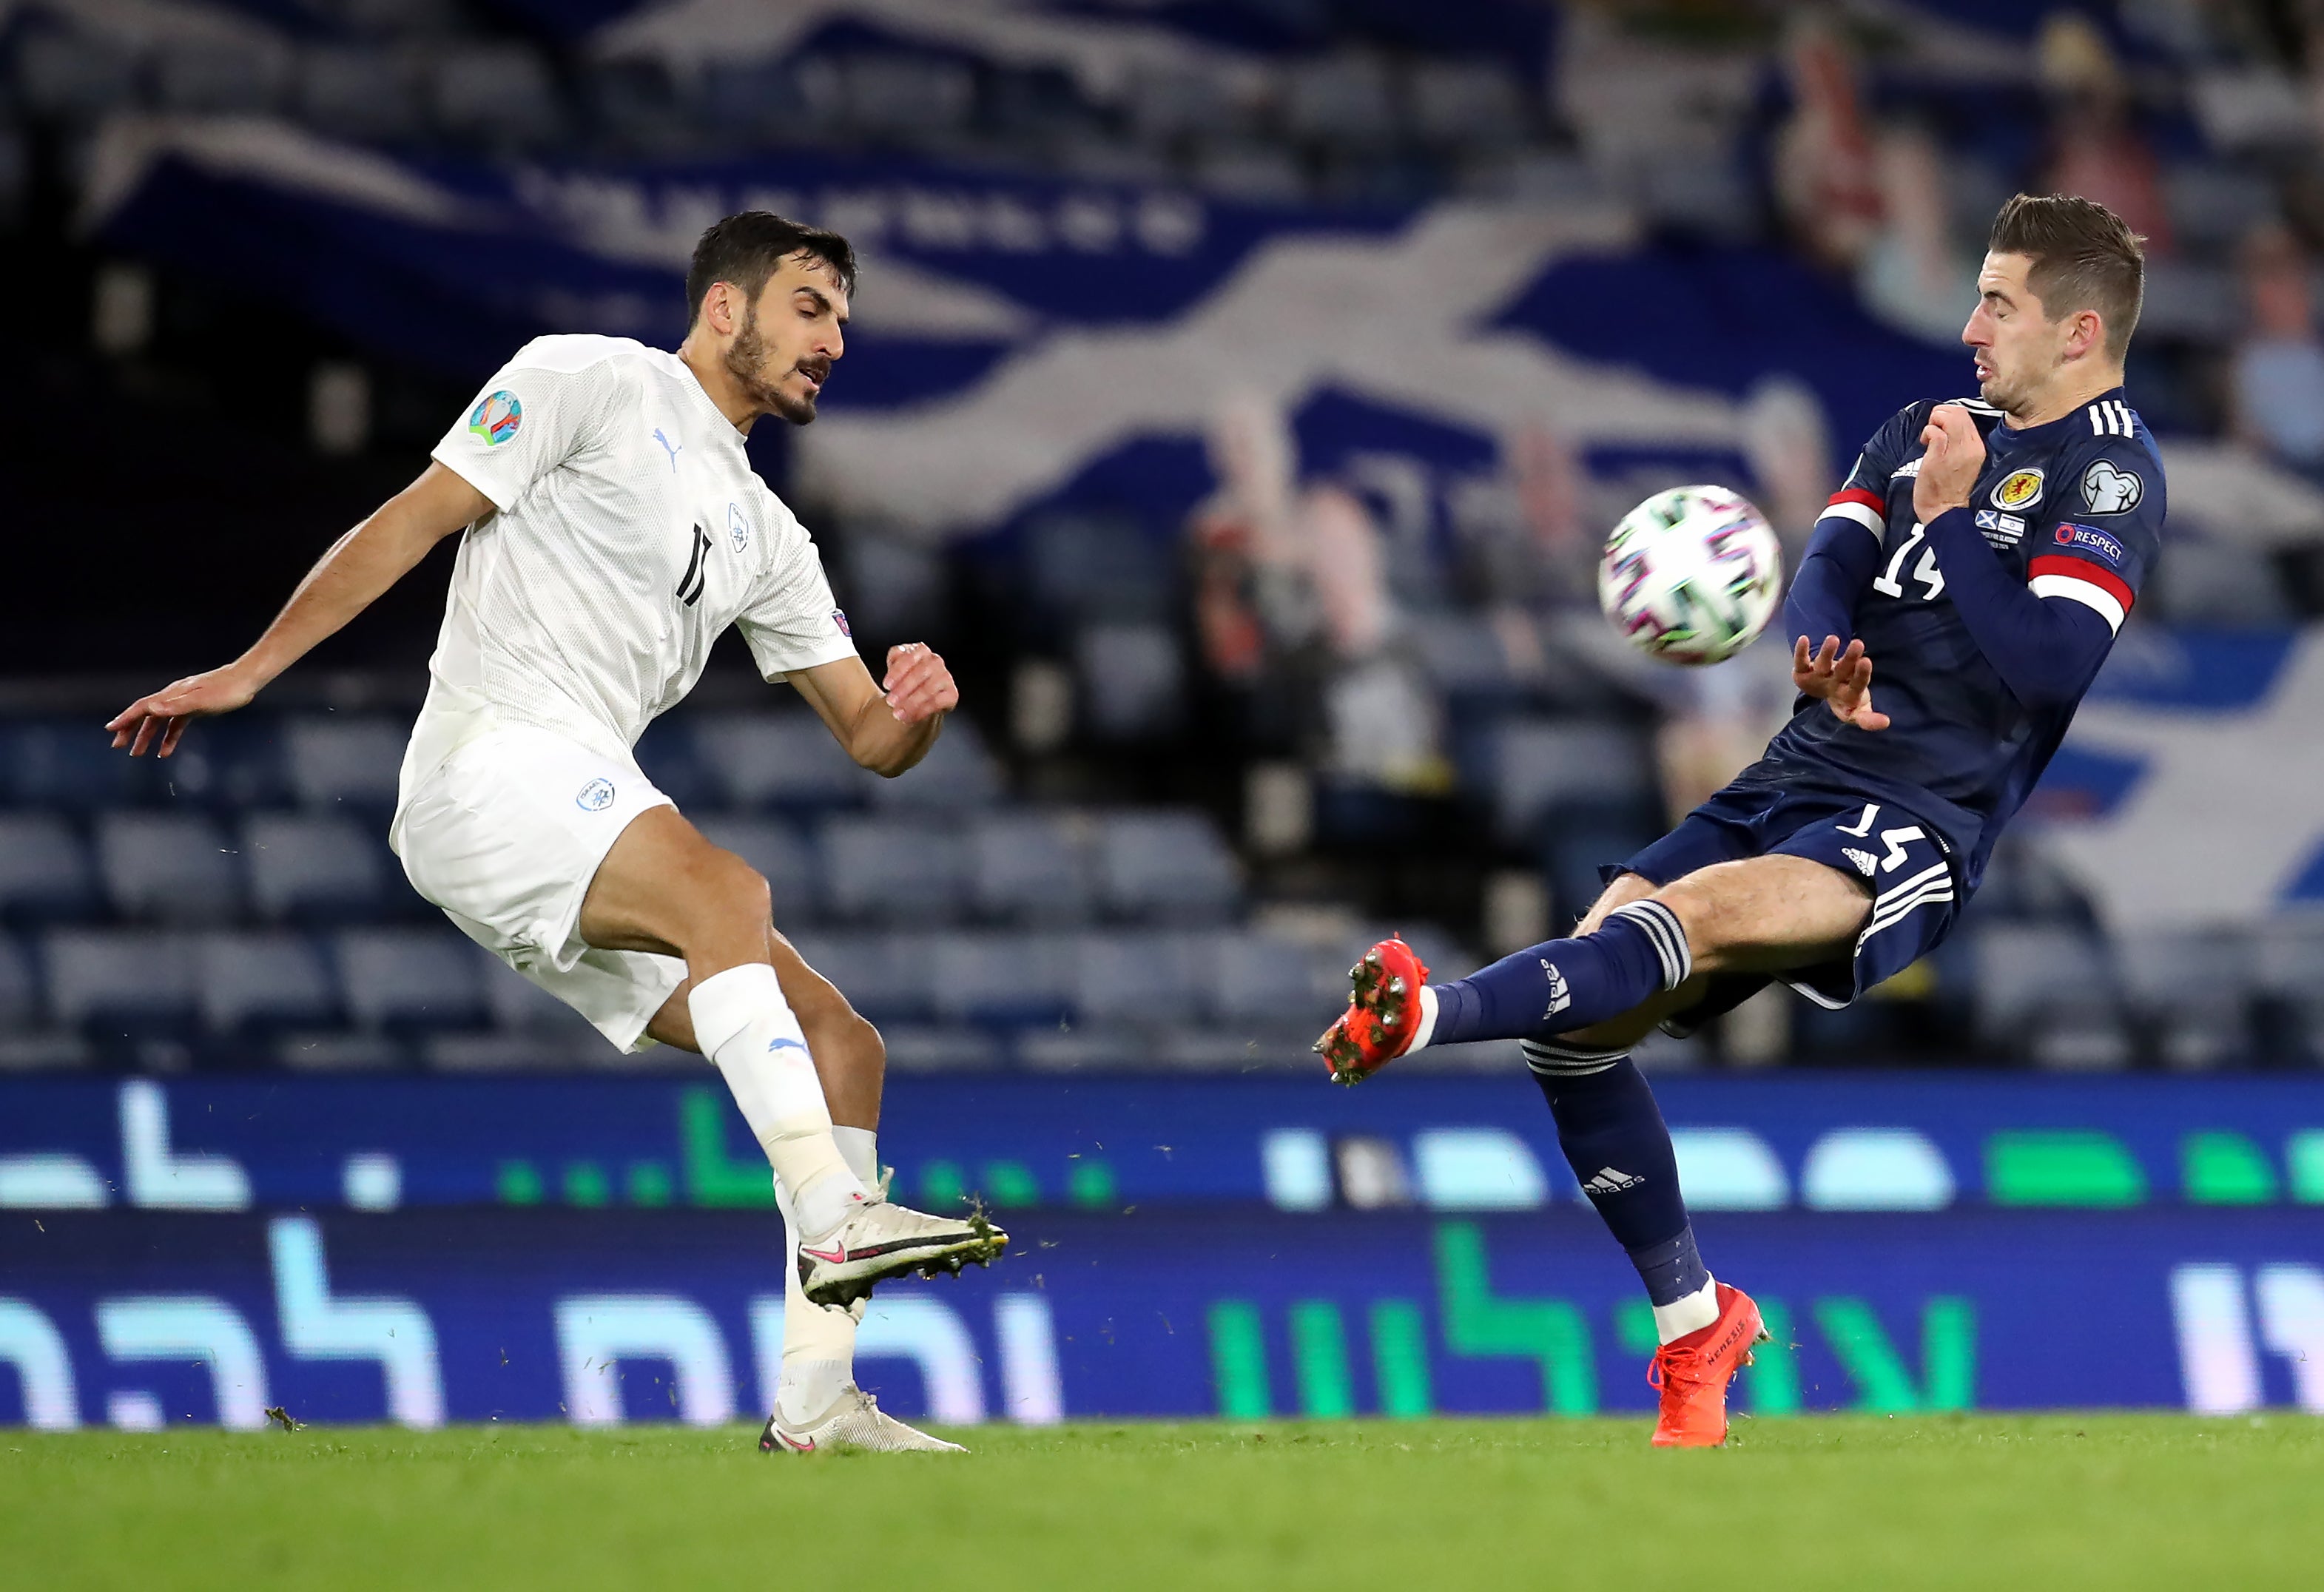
[2104, 532]
[2047, 634]
[1845, 550]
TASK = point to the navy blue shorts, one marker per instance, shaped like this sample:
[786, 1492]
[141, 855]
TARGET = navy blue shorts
[1908, 863]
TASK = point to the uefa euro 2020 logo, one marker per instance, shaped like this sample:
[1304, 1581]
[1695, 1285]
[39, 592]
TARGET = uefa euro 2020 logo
[496, 418]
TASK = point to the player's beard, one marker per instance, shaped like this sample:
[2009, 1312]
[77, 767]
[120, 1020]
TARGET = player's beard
[746, 361]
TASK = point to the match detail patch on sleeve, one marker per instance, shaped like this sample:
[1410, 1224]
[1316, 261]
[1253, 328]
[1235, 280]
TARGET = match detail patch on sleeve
[2078, 580]
[1867, 509]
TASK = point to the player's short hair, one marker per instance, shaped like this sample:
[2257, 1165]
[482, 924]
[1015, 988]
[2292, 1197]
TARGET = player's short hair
[746, 247]
[2084, 257]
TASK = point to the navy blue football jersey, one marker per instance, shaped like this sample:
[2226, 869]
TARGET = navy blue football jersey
[2076, 508]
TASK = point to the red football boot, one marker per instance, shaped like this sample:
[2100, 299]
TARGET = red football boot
[1378, 1026]
[1693, 1371]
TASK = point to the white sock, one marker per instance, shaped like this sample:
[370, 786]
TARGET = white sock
[1691, 1315]
[818, 1339]
[1425, 1027]
[860, 1148]
[744, 1024]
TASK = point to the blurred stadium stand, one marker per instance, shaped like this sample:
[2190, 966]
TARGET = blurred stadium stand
[1237, 396]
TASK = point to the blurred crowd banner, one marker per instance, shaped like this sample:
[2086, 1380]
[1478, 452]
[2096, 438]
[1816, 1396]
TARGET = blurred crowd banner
[606, 1249]
[1022, 341]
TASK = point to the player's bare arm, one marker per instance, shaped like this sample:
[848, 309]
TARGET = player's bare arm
[344, 580]
[887, 727]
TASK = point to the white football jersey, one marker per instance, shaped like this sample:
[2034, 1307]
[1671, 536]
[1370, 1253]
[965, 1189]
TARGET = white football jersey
[631, 531]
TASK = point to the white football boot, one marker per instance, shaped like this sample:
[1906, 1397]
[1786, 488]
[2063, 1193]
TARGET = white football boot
[851, 1425]
[879, 1239]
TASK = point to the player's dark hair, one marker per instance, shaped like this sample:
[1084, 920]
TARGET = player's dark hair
[2084, 257]
[745, 248]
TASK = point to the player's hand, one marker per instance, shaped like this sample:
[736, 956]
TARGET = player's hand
[916, 684]
[160, 721]
[1842, 681]
[1955, 458]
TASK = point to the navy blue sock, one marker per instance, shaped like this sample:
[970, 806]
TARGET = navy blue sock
[1613, 1136]
[1561, 985]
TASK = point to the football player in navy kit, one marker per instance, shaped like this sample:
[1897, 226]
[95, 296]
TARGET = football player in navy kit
[1982, 554]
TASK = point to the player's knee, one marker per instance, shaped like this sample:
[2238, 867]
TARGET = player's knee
[842, 1038]
[729, 889]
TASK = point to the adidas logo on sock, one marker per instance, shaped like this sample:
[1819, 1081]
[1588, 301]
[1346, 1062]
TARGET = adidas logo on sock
[1609, 1181]
[1559, 997]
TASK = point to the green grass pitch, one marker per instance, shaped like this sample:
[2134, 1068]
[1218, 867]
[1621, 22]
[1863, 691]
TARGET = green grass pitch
[2050, 1502]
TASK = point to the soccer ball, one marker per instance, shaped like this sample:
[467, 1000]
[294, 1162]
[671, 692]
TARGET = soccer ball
[1691, 574]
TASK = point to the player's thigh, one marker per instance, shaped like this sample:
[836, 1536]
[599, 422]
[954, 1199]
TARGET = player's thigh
[1768, 915]
[663, 886]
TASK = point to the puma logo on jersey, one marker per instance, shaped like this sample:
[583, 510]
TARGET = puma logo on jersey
[672, 448]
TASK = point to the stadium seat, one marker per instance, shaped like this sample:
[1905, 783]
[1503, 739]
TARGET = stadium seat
[1166, 867]
[901, 869]
[168, 867]
[1261, 978]
[2191, 993]
[1539, 765]
[784, 759]
[26, 1042]
[344, 761]
[251, 983]
[947, 1047]
[2046, 994]
[520, 1005]
[47, 764]
[1011, 979]
[1132, 680]
[777, 851]
[315, 868]
[1153, 975]
[228, 763]
[957, 773]
[885, 977]
[1030, 868]
[1080, 568]
[44, 870]
[2288, 976]
[1100, 1048]
[401, 980]
[20, 995]
[114, 980]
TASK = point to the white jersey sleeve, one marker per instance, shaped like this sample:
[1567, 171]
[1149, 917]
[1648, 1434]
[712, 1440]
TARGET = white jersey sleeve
[550, 404]
[793, 622]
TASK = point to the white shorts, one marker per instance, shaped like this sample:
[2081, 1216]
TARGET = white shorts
[505, 836]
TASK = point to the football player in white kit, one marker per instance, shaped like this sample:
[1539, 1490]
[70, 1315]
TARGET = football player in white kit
[614, 530]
